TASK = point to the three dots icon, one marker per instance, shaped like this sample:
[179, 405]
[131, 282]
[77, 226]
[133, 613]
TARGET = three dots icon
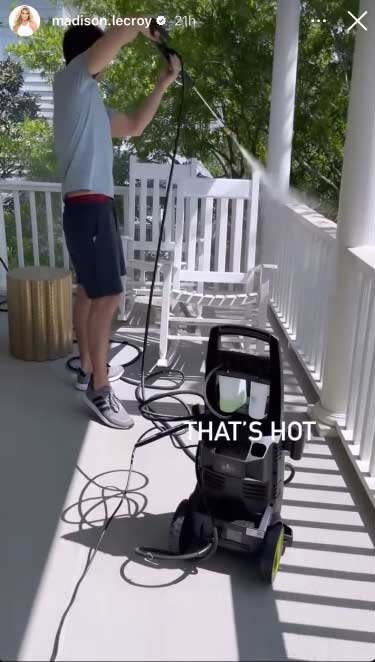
[318, 20]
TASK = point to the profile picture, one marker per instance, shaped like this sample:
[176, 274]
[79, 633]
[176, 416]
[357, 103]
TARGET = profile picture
[24, 20]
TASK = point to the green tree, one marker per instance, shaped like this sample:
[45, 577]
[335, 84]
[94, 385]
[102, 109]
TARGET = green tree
[15, 107]
[229, 54]
[25, 151]
[223, 58]
[25, 138]
[324, 74]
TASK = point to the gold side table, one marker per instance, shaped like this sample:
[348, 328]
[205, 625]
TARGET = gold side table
[39, 313]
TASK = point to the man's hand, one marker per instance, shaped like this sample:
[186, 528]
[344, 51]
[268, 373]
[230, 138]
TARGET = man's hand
[133, 124]
[105, 49]
[171, 71]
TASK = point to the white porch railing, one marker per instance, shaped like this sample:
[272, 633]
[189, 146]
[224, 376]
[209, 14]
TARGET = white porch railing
[36, 209]
[359, 431]
[36, 221]
[302, 243]
[31, 214]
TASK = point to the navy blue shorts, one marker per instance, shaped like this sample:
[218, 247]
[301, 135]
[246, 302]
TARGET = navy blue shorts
[94, 244]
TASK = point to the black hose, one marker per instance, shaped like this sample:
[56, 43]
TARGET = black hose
[151, 553]
[70, 366]
[90, 557]
[292, 473]
[158, 420]
[161, 421]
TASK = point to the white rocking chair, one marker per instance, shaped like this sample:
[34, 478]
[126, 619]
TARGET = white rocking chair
[145, 210]
[213, 270]
[250, 306]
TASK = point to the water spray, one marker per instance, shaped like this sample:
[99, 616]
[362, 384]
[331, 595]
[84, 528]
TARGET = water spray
[255, 165]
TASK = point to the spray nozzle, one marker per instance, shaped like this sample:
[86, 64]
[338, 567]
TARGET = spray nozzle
[155, 27]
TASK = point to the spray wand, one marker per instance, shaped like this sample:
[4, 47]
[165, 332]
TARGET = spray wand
[167, 51]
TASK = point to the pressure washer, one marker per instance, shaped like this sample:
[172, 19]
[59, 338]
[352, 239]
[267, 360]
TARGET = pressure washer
[240, 478]
[240, 457]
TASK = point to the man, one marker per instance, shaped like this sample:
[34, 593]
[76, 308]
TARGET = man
[83, 128]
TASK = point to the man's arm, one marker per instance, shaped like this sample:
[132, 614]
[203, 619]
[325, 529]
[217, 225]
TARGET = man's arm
[105, 49]
[133, 124]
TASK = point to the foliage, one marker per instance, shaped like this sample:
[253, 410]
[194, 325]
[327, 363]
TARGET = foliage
[224, 36]
[229, 55]
[25, 138]
[25, 150]
[324, 73]
[14, 104]
[43, 51]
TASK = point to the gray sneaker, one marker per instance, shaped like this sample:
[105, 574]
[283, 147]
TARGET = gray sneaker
[108, 407]
[83, 378]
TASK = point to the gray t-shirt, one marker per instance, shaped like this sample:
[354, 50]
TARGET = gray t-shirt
[82, 131]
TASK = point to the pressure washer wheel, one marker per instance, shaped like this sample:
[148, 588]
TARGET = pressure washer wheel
[273, 549]
[180, 530]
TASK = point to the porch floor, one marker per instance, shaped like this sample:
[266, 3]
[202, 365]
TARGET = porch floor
[320, 608]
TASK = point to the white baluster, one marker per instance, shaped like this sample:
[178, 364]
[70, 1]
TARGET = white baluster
[19, 235]
[221, 233]
[34, 227]
[50, 235]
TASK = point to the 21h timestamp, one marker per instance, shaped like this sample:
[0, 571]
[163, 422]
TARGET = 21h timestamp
[185, 22]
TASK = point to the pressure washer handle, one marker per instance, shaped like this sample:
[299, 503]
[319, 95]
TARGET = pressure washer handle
[236, 330]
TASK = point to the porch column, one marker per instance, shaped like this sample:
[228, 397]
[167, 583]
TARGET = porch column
[356, 220]
[284, 77]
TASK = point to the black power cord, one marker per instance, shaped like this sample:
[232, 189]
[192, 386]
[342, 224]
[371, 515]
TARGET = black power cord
[91, 555]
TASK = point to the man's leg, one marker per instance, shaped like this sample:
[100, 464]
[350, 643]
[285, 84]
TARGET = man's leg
[101, 276]
[81, 312]
[99, 396]
[99, 328]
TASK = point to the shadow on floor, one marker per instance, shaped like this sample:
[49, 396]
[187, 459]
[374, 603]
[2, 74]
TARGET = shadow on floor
[258, 627]
[259, 632]
[41, 440]
[42, 430]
